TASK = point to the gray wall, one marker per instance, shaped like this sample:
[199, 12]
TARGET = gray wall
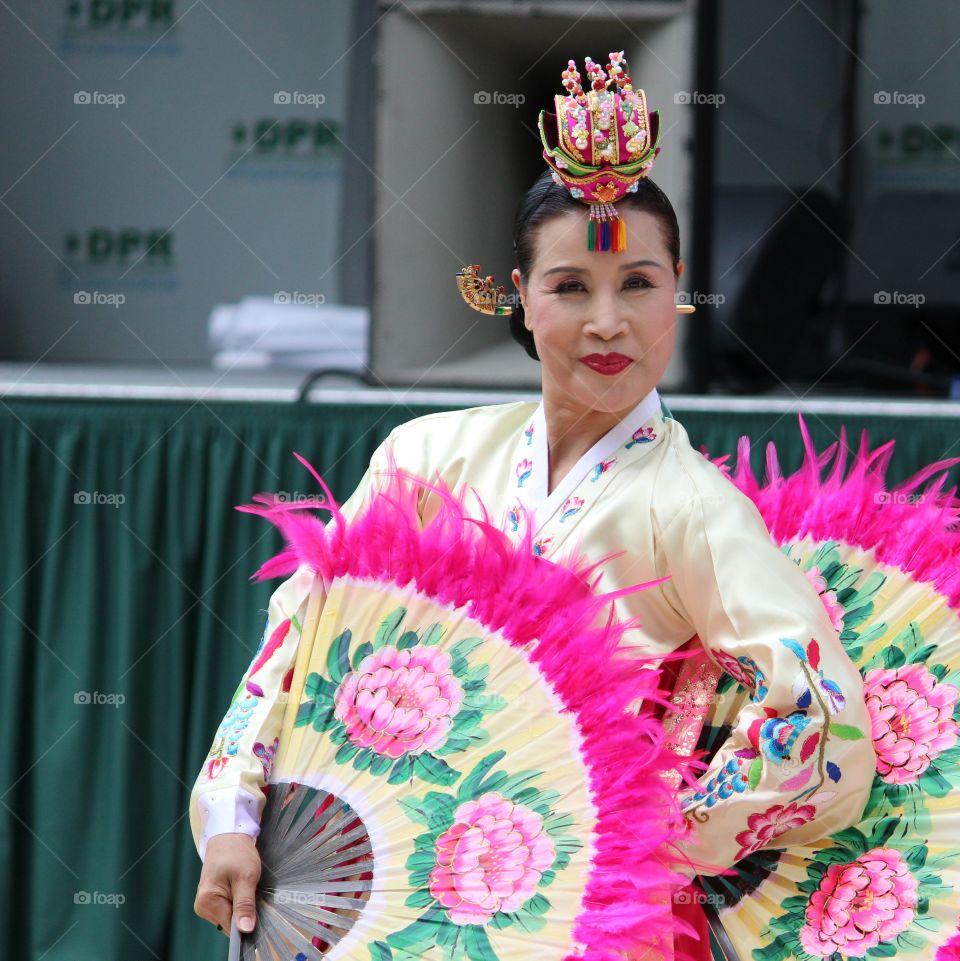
[86, 187]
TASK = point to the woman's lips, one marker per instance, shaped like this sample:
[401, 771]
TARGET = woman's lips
[607, 363]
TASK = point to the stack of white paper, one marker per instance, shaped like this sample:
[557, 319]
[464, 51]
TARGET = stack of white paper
[261, 333]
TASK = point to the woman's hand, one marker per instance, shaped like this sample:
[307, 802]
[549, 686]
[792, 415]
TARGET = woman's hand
[228, 882]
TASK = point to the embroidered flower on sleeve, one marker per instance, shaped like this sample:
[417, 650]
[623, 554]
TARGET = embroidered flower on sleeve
[602, 468]
[779, 734]
[744, 670]
[764, 826]
[524, 470]
[642, 436]
[729, 780]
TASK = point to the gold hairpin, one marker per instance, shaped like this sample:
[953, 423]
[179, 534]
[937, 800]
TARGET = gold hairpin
[481, 293]
[685, 308]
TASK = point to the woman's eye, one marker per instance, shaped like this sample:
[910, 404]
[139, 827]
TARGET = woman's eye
[567, 286]
[637, 282]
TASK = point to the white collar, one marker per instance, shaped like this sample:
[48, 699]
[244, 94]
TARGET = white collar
[537, 499]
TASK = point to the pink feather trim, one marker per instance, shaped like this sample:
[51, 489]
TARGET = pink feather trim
[468, 562]
[915, 531]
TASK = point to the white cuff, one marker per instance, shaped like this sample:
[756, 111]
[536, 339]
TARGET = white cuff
[229, 811]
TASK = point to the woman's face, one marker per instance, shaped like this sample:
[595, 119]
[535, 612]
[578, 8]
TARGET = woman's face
[604, 323]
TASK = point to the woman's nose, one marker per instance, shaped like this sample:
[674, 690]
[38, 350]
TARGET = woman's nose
[605, 319]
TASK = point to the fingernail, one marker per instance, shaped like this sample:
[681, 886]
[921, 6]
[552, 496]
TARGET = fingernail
[245, 925]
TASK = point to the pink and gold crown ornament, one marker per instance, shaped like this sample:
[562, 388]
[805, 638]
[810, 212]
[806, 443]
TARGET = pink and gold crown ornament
[599, 143]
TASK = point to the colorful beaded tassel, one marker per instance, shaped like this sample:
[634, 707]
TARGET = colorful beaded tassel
[605, 229]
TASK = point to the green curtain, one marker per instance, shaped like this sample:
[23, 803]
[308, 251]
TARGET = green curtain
[127, 618]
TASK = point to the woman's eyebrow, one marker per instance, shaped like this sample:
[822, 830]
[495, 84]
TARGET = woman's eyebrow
[582, 270]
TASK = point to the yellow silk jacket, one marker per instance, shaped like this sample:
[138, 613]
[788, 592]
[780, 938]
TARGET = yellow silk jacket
[644, 498]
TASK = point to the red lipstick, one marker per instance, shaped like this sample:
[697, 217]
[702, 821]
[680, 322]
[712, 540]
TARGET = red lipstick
[607, 363]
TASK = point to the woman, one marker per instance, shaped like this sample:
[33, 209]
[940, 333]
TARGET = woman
[598, 465]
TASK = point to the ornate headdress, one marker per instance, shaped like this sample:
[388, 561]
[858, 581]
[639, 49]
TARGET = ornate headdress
[599, 144]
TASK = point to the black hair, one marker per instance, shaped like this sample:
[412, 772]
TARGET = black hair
[545, 200]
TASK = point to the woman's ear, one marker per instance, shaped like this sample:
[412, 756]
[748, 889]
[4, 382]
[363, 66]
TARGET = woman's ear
[517, 279]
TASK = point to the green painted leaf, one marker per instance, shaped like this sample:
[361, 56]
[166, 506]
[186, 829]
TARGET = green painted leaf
[466, 647]
[304, 714]
[379, 951]
[538, 904]
[756, 770]
[432, 635]
[470, 783]
[851, 838]
[338, 662]
[361, 652]
[420, 860]
[408, 639]
[363, 760]
[939, 671]
[419, 899]
[387, 632]
[548, 878]
[402, 770]
[466, 719]
[419, 936]
[893, 657]
[933, 782]
[381, 764]
[416, 810]
[882, 831]
[920, 655]
[477, 944]
[846, 732]
[917, 856]
[434, 769]
[345, 753]
[777, 950]
[883, 950]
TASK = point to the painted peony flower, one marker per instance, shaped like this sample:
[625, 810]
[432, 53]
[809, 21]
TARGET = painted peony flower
[399, 702]
[859, 904]
[764, 826]
[490, 859]
[829, 598]
[912, 720]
